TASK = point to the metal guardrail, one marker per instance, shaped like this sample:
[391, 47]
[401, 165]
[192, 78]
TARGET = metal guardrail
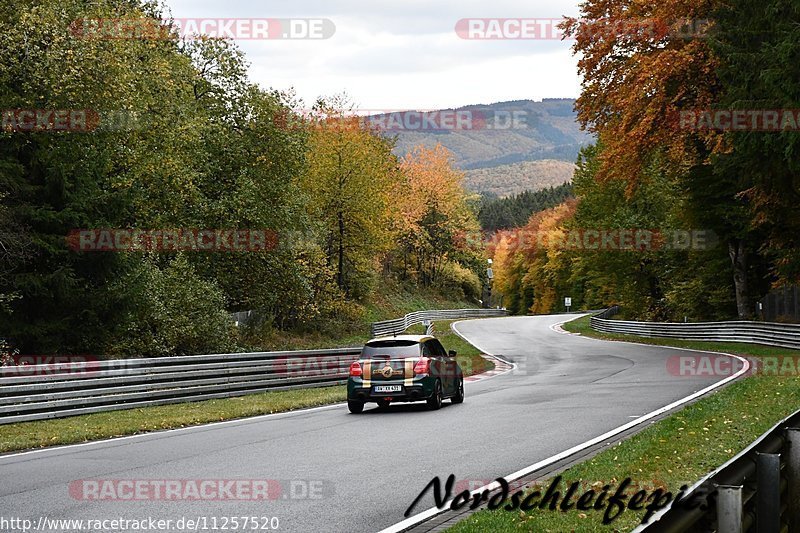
[783, 302]
[758, 490]
[606, 313]
[767, 333]
[399, 325]
[37, 392]
[242, 317]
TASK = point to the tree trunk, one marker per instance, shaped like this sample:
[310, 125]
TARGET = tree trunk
[738, 255]
[340, 266]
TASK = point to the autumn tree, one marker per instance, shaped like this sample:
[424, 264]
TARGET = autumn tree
[640, 69]
[557, 253]
[669, 279]
[532, 266]
[643, 64]
[757, 45]
[432, 218]
[349, 170]
[503, 281]
[509, 270]
[184, 140]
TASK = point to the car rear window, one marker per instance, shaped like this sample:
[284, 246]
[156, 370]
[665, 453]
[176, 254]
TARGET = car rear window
[390, 348]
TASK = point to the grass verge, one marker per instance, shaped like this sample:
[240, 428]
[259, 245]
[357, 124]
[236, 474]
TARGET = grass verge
[673, 452]
[83, 428]
[469, 357]
[391, 300]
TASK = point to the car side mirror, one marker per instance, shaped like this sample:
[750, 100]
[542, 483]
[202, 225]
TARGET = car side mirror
[452, 353]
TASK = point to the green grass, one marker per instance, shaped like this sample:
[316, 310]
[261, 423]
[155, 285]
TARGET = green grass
[96, 426]
[469, 357]
[83, 428]
[675, 451]
[391, 300]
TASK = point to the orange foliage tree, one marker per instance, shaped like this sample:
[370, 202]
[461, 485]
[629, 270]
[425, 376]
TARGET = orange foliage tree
[431, 212]
[643, 62]
[530, 263]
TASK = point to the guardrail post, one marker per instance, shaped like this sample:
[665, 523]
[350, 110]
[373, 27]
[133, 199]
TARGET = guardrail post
[768, 493]
[793, 474]
[729, 508]
[399, 325]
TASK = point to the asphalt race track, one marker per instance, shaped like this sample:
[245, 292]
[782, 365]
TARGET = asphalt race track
[364, 470]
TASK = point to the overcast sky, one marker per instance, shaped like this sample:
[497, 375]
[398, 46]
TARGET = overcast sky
[403, 54]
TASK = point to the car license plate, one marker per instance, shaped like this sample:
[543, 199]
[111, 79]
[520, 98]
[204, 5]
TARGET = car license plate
[388, 388]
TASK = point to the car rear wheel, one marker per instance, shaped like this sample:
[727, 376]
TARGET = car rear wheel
[435, 401]
[355, 407]
[459, 396]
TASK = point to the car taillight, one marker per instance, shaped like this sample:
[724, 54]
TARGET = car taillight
[422, 366]
[355, 369]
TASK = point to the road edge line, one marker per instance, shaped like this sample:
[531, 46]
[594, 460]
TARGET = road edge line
[511, 364]
[415, 520]
[241, 420]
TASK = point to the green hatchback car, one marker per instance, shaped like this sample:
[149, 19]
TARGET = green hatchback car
[404, 368]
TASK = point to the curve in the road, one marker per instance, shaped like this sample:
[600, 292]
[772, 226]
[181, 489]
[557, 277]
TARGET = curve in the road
[431, 512]
[564, 391]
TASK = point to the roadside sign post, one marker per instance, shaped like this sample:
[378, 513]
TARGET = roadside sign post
[567, 302]
[489, 278]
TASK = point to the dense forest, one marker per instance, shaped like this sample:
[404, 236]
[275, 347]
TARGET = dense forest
[700, 220]
[514, 211]
[169, 134]
[178, 139]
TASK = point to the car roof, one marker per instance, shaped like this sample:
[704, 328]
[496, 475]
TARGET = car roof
[405, 338]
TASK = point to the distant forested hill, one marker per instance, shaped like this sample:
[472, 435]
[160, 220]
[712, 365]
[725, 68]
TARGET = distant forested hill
[505, 180]
[514, 211]
[543, 131]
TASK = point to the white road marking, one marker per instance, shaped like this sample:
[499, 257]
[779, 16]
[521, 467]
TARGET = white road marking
[558, 329]
[480, 377]
[162, 432]
[434, 511]
[501, 365]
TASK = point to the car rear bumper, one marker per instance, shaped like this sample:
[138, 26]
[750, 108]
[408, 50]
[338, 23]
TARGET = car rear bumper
[418, 391]
[409, 394]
